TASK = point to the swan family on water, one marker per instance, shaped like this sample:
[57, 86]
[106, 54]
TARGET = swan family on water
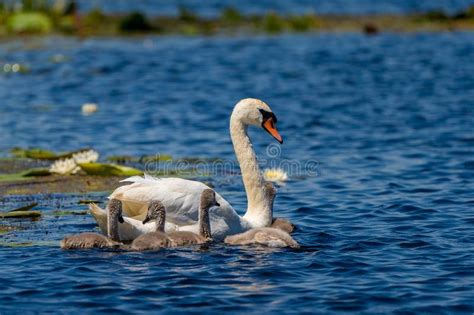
[170, 212]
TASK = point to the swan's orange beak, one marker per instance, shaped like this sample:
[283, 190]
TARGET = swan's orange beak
[269, 126]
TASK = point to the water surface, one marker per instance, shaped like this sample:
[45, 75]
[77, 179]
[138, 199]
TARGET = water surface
[385, 219]
[214, 7]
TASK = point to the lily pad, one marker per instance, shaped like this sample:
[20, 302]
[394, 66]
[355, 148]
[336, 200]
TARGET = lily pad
[12, 177]
[42, 154]
[34, 153]
[20, 214]
[102, 169]
[61, 213]
[25, 208]
[88, 201]
[34, 172]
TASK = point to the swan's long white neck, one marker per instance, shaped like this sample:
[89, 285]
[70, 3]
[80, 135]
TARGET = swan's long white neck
[259, 209]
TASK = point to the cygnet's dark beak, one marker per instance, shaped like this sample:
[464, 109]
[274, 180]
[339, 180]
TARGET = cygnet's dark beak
[218, 204]
[147, 219]
[120, 219]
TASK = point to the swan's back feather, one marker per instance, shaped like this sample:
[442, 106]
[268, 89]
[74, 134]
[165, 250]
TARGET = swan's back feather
[181, 198]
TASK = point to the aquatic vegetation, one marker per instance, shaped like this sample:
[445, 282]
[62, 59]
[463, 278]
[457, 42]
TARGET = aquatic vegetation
[35, 172]
[64, 167]
[20, 214]
[101, 169]
[186, 15]
[42, 154]
[231, 16]
[29, 23]
[62, 213]
[273, 23]
[88, 156]
[466, 14]
[72, 165]
[122, 159]
[25, 208]
[94, 17]
[87, 201]
[12, 177]
[155, 158]
[34, 153]
[303, 23]
[46, 17]
[436, 15]
[135, 22]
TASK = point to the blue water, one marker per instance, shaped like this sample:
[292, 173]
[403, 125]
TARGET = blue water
[385, 217]
[214, 7]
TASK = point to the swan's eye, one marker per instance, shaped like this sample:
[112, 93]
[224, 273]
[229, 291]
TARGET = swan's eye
[267, 115]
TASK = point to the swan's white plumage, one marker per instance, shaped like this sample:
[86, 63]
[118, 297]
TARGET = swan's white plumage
[181, 197]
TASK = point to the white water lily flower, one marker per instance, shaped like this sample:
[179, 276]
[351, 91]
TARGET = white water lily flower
[64, 167]
[88, 156]
[275, 175]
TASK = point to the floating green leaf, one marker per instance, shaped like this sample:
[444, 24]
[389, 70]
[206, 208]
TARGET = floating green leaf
[102, 169]
[86, 201]
[25, 208]
[20, 214]
[34, 172]
[12, 177]
[34, 153]
[42, 154]
[61, 213]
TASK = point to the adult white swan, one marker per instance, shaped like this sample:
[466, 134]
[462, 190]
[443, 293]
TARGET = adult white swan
[181, 197]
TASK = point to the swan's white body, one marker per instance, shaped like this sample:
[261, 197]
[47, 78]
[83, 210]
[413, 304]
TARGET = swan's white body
[181, 197]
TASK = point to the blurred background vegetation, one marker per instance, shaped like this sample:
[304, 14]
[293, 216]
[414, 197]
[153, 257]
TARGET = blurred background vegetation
[65, 17]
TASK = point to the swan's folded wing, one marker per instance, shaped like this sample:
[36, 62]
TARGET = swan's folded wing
[180, 197]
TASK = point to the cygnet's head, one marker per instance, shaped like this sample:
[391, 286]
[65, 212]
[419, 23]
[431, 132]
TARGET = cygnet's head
[208, 199]
[252, 111]
[155, 211]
